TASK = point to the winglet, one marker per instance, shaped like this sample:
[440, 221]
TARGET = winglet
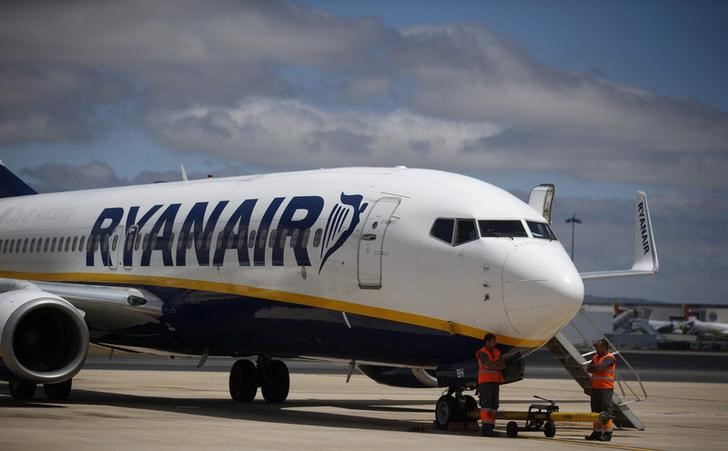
[645, 252]
[11, 185]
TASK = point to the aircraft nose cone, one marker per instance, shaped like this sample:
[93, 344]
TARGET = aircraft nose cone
[542, 290]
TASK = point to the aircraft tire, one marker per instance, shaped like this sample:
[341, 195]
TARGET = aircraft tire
[275, 387]
[446, 410]
[58, 392]
[22, 391]
[470, 405]
[243, 381]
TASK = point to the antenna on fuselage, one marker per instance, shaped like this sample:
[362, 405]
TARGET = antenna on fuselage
[184, 173]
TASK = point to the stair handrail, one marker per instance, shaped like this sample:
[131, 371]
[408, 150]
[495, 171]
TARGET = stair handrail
[621, 382]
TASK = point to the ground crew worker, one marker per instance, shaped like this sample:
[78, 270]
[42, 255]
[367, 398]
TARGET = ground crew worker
[602, 367]
[490, 365]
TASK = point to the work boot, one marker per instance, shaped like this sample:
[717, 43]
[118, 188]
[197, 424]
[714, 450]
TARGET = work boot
[595, 435]
[486, 430]
[606, 436]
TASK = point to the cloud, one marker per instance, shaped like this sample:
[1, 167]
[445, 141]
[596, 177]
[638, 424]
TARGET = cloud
[278, 85]
[54, 177]
[288, 133]
[57, 177]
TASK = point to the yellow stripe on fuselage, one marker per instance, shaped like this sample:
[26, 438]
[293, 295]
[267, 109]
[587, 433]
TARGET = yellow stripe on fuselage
[274, 295]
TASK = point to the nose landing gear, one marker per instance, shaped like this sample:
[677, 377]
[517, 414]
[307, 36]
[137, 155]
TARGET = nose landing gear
[270, 375]
[453, 406]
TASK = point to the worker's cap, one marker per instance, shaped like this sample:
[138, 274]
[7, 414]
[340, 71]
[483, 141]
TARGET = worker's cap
[601, 342]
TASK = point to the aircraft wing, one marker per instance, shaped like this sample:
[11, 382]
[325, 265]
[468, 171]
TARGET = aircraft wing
[104, 307]
[645, 251]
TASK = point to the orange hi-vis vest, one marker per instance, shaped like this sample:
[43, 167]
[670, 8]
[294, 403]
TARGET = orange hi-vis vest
[486, 374]
[603, 378]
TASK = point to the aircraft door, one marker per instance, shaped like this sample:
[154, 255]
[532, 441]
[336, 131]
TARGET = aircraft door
[371, 243]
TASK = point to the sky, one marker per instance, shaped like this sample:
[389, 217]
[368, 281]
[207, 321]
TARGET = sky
[600, 98]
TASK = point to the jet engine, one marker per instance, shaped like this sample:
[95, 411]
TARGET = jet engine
[43, 337]
[400, 377]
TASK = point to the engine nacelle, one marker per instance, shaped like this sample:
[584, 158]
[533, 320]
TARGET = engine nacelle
[400, 377]
[43, 337]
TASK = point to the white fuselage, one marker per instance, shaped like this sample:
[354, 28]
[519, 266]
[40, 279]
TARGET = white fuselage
[384, 265]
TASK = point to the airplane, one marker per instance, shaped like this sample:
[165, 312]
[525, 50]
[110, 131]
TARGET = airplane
[694, 326]
[398, 271]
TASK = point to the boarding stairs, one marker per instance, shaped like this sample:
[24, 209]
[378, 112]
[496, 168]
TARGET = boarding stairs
[575, 363]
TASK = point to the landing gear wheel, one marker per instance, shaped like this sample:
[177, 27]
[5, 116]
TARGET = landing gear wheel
[446, 410]
[276, 382]
[243, 381]
[549, 429]
[22, 391]
[58, 392]
[470, 405]
[512, 429]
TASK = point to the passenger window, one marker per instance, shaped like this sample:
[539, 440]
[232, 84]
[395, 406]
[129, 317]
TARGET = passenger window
[262, 234]
[541, 230]
[505, 228]
[81, 242]
[306, 236]
[32, 245]
[113, 243]
[53, 245]
[442, 229]
[68, 243]
[25, 245]
[317, 237]
[12, 245]
[251, 239]
[272, 239]
[73, 246]
[465, 231]
[294, 237]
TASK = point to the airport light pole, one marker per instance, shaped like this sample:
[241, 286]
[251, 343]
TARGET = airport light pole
[573, 220]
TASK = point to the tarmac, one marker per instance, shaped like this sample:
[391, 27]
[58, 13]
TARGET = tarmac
[148, 408]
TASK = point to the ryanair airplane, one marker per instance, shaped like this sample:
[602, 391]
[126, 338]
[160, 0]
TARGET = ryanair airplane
[399, 271]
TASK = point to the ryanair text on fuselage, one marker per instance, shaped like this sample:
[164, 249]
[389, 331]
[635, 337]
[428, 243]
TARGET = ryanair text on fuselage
[298, 216]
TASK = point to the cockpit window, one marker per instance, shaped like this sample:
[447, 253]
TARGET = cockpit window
[465, 231]
[541, 230]
[507, 229]
[442, 229]
[454, 231]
